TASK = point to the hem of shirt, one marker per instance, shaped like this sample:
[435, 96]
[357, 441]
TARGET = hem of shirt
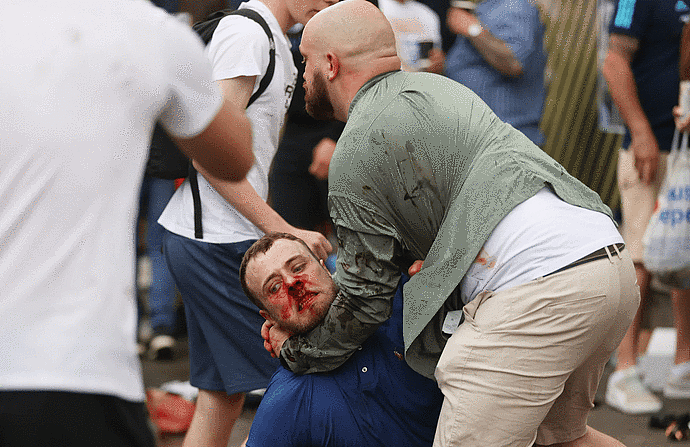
[76, 385]
[210, 239]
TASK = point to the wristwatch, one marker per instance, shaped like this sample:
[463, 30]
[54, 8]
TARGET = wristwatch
[474, 30]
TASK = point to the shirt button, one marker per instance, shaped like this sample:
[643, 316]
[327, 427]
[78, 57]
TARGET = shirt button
[364, 369]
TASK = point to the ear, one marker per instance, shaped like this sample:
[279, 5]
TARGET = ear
[333, 67]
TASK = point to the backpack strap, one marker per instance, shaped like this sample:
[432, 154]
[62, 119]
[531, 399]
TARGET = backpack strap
[266, 80]
[196, 198]
[205, 30]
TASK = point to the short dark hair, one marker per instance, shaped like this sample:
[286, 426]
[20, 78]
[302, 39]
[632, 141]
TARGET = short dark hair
[262, 246]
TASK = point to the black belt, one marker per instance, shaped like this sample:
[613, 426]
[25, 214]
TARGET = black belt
[595, 255]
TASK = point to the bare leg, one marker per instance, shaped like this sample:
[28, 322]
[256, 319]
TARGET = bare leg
[628, 349]
[592, 438]
[681, 316]
[214, 417]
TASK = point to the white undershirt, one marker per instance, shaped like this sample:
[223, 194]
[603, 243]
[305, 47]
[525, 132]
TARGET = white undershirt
[539, 236]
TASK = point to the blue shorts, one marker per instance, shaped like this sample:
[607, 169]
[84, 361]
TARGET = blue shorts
[226, 351]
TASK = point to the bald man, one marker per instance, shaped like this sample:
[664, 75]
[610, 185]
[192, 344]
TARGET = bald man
[526, 288]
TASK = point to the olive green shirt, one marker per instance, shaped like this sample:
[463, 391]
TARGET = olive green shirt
[423, 170]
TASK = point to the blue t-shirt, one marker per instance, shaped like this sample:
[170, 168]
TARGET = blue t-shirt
[658, 25]
[517, 101]
[374, 399]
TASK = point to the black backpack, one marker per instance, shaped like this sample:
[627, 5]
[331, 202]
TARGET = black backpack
[165, 160]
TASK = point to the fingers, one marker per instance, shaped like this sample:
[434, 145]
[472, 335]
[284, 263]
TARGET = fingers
[266, 330]
[326, 247]
[266, 335]
[269, 348]
[415, 267]
[322, 247]
[647, 170]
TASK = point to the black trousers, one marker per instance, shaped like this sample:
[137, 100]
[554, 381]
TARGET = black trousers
[58, 418]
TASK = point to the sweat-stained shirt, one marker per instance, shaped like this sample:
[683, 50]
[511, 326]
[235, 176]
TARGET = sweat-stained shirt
[423, 170]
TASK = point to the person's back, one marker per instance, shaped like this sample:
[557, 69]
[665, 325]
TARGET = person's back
[63, 240]
[83, 83]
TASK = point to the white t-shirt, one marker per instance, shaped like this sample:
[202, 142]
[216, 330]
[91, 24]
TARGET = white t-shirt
[239, 47]
[537, 237]
[412, 22]
[80, 95]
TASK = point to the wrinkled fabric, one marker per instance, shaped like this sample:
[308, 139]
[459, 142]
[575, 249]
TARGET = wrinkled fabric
[423, 170]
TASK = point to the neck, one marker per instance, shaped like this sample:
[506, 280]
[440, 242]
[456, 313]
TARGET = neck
[279, 9]
[352, 83]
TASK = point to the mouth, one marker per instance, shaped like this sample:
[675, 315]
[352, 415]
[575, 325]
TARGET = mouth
[306, 301]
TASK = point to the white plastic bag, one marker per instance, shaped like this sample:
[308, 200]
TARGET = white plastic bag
[666, 242]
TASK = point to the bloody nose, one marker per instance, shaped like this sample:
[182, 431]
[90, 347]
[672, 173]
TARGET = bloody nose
[296, 286]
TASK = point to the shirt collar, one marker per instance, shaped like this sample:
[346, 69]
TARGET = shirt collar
[367, 85]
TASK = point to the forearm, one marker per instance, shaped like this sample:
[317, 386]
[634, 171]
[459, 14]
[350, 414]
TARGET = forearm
[342, 332]
[244, 198]
[497, 53]
[368, 275]
[621, 83]
[617, 71]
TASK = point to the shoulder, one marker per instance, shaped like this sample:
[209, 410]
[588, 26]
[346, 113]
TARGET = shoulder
[234, 24]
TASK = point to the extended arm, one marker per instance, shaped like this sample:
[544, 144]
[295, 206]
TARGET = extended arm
[494, 50]
[243, 197]
[621, 82]
[368, 274]
[224, 148]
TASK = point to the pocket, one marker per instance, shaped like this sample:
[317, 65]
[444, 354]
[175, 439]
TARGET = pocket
[576, 304]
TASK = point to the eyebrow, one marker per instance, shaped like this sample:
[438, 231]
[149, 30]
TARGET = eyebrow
[273, 275]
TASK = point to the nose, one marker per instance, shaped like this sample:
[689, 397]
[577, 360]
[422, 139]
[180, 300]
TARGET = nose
[293, 283]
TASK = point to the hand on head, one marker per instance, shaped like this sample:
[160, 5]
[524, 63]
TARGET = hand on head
[316, 241]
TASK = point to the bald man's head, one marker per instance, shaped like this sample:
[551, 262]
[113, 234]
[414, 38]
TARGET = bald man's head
[351, 29]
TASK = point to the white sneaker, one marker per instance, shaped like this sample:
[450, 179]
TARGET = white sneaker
[626, 393]
[678, 384]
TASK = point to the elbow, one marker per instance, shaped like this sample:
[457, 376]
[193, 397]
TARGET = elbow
[512, 69]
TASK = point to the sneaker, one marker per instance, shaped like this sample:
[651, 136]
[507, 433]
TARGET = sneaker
[678, 384]
[626, 393]
[162, 347]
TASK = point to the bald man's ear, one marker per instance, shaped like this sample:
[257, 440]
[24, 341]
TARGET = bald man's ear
[333, 68]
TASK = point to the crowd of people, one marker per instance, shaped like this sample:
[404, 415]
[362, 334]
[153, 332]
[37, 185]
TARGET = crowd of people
[382, 248]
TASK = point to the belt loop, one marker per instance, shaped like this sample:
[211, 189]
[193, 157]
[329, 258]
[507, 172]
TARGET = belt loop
[608, 253]
[618, 252]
